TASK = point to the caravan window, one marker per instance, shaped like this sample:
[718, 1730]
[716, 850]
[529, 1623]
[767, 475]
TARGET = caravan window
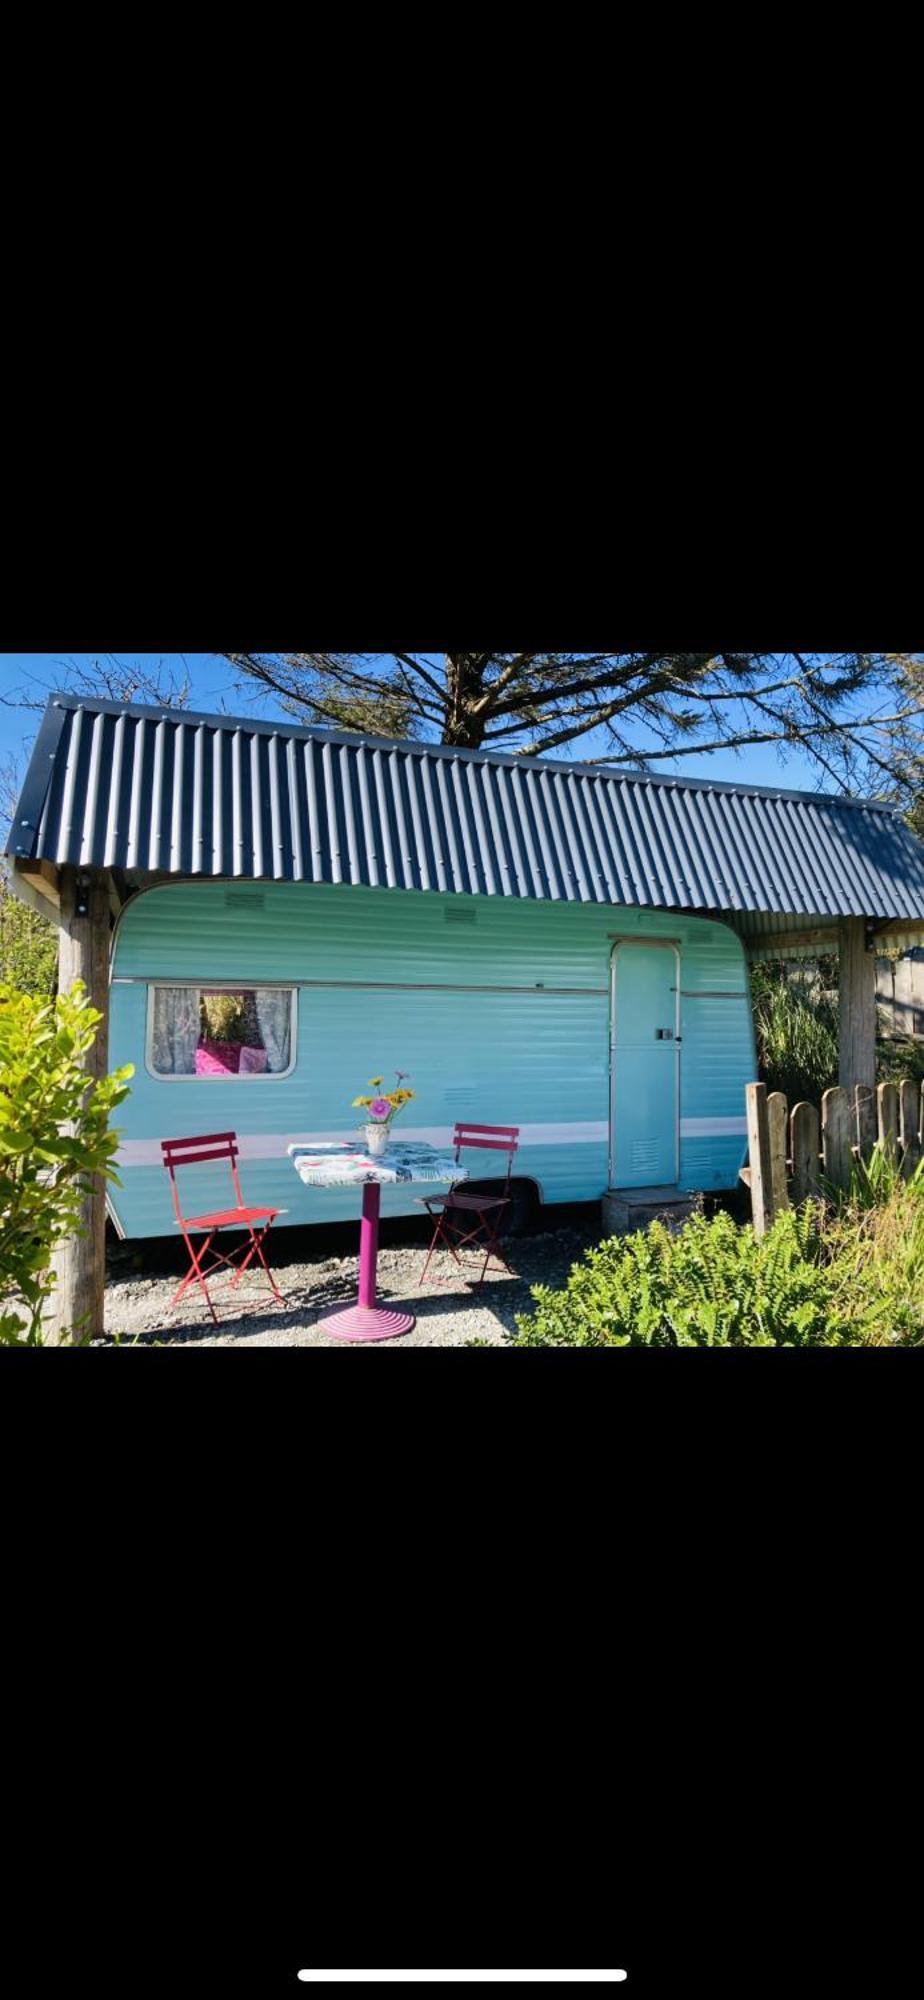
[212, 1031]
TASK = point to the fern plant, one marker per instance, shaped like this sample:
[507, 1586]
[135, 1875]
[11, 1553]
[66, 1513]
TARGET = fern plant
[709, 1284]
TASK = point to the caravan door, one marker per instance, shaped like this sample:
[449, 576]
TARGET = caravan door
[644, 1064]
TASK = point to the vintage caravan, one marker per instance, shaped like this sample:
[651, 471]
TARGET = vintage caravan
[621, 1050]
[554, 946]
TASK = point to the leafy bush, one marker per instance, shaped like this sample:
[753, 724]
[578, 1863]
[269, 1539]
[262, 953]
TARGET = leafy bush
[28, 945]
[846, 1274]
[874, 1182]
[875, 1244]
[898, 1057]
[796, 1026]
[711, 1284]
[54, 1134]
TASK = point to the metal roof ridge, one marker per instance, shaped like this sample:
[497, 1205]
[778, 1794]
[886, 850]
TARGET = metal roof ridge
[630, 774]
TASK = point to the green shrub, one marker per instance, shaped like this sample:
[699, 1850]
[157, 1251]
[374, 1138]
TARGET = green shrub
[898, 1058]
[28, 945]
[796, 1027]
[875, 1245]
[54, 1134]
[873, 1183]
[709, 1284]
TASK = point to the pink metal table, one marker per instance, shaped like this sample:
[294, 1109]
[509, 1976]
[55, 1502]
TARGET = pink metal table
[346, 1165]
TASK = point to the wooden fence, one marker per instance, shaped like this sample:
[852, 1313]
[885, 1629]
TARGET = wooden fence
[900, 995]
[790, 1155]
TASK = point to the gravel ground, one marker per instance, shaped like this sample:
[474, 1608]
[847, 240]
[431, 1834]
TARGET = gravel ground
[318, 1273]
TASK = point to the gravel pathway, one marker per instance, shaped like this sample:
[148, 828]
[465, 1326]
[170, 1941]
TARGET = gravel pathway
[316, 1279]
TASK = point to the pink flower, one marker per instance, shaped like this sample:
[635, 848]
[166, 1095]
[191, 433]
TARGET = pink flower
[380, 1108]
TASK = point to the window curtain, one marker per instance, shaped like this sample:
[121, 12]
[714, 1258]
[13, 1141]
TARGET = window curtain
[274, 1013]
[175, 1030]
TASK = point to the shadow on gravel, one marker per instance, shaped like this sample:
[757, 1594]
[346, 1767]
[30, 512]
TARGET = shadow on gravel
[253, 1313]
[313, 1243]
[301, 1263]
[502, 1297]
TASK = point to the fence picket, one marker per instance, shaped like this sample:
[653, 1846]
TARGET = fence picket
[887, 1106]
[835, 1136]
[909, 1117]
[759, 1154]
[806, 1148]
[777, 1118]
[849, 1126]
[865, 1111]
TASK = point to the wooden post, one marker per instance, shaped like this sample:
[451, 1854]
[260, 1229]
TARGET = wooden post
[865, 1121]
[759, 1155]
[857, 984]
[777, 1116]
[835, 1137]
[83, 953]
[909, 1119]
[806, 1148]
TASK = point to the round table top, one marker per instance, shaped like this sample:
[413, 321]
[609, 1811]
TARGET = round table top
[341, 1163]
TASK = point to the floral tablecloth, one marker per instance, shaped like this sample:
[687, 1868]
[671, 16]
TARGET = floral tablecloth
[346, 1165]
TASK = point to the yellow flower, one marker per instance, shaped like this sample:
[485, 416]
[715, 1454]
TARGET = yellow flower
[357, 1101]
[375, 1081]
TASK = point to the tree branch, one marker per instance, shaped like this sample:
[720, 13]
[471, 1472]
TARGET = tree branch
[409, 661]
[555, 691]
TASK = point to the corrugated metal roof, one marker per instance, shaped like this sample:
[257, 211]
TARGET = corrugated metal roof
[154, 790]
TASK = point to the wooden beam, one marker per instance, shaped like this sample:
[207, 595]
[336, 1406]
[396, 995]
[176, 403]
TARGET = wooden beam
[812, 943]
[36, 882]
[857, 986]
[899, 930]
[83, 953]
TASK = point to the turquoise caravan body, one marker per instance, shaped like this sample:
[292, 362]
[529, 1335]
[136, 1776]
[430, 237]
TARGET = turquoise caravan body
[619, 1041]
[290, 912]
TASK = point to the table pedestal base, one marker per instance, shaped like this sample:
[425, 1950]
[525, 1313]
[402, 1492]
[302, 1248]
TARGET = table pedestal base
[366, 1320]
[366, 1323]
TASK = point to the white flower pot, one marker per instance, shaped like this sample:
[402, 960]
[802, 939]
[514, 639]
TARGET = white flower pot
[376, 1140]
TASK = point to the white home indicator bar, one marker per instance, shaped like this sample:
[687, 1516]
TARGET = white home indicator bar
[420, 1978]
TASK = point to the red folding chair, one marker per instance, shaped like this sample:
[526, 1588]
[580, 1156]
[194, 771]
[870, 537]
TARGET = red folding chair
[466, 1219]
[191, 1152]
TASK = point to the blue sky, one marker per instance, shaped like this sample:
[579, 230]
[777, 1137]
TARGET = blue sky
[214, 688]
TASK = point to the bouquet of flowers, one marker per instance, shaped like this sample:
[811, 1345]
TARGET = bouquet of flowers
[385, 1105]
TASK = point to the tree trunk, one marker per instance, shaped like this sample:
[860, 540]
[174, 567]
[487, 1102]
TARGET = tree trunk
[857, 983]
[80, 1263]
[464, 727]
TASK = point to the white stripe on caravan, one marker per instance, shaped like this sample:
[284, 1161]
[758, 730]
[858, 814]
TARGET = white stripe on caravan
[377, 1978]
[274, 1145]
[713, 1128]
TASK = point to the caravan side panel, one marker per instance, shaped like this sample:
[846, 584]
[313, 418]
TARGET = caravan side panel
[498, 1009]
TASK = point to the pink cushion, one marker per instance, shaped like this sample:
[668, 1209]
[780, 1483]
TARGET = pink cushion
[218, 1058]
[253, 1061]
